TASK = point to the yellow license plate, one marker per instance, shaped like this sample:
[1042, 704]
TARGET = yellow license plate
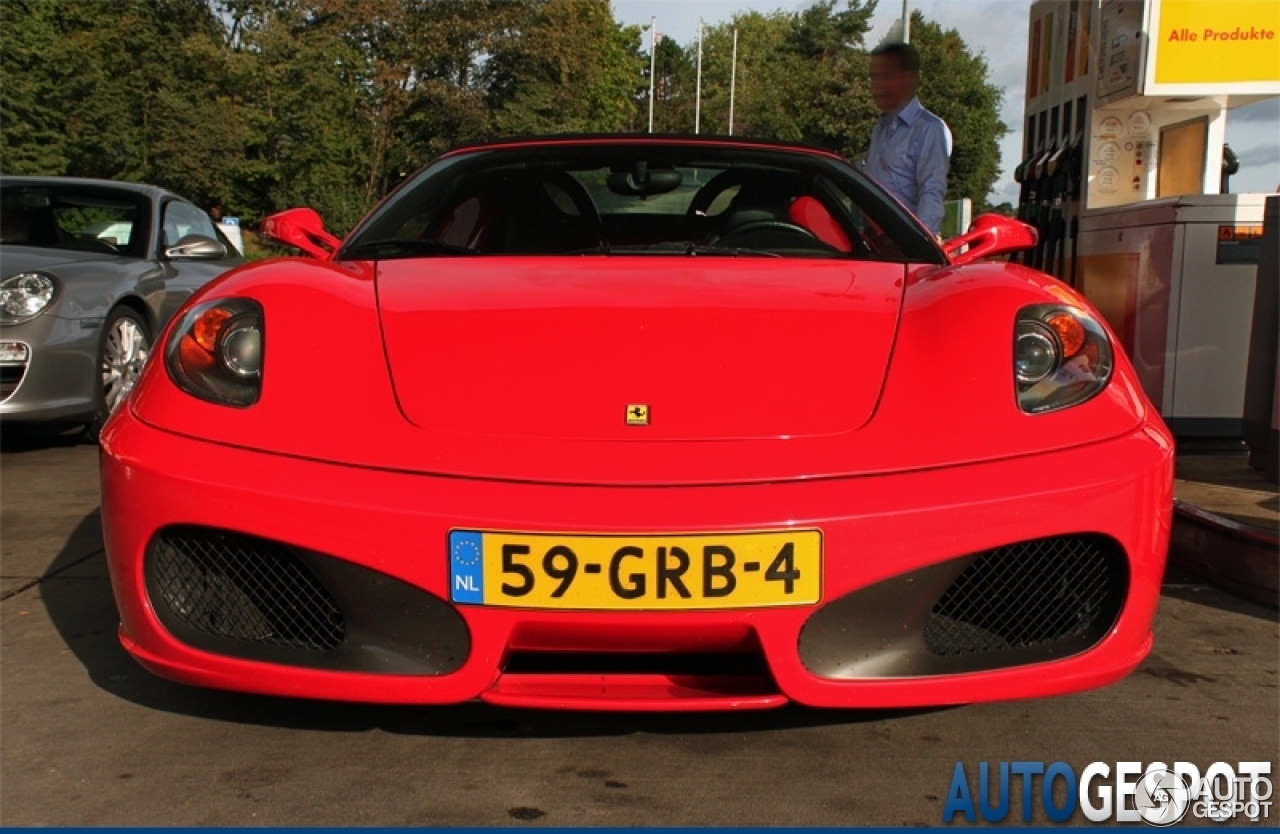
[640, 572]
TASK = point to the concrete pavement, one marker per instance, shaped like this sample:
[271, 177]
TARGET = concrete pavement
[1222, 482]
[1227, 527]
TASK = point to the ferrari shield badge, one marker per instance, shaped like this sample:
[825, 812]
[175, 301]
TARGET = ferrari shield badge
[637, 414]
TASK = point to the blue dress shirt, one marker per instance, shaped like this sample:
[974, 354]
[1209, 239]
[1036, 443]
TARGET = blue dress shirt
[910, 155]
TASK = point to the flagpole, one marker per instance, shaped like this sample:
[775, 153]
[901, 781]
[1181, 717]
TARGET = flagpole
[733, 78]
[653, 63]
[906, 22]
[697, 96]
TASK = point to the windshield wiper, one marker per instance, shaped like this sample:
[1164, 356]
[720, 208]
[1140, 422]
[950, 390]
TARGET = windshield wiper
[382, 249]
[736, 251]
[676, 248]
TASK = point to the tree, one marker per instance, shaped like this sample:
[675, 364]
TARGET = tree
[126, 91]
[33, 140]
[571, 68]
[452, 41]
[954, 84]
[258, 105]
[803, 77]
[293, 71]
[759, 100]
[834, 110]
[675, 82]
[196, 135]
[800, 76]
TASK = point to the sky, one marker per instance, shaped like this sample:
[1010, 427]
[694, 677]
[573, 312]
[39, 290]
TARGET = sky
[998, 30]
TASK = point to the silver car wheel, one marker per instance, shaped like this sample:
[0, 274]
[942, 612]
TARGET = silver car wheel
[123, 355]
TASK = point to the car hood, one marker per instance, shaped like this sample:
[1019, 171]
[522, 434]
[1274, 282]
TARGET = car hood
[517, 370]
[16, 259]
[708, 348]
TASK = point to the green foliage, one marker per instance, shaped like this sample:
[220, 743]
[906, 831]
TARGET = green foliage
[257, 105]
[954, 85]
[571, 70]
[32, 140]
[292, 70]
[674, 88]
[799, 75]
[758, 103]
[803, 77]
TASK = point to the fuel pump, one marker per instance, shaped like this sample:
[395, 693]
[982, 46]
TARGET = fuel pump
[1055, 225]
[1075, 179]
[1037, 204]
[1024, 176]
[1029, 202]
[1130, 181]
[1230, 167]
[1044, 203]
[1020, 177]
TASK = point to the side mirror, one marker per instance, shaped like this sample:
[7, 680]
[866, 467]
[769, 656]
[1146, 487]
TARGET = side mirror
[196, 248]
[301, 228]
[990, 235]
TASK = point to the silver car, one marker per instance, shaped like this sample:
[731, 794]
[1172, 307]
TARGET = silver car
[90, 270]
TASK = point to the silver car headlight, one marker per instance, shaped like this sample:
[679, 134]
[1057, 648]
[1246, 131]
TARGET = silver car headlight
[25, 296]
[1061, 357]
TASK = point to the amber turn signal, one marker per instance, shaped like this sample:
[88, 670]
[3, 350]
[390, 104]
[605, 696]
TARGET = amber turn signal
[208, 326]
[1070, 332]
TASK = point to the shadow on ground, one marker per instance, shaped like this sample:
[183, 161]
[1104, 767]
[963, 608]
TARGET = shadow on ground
[22, 438]
[1192, 588]
[77, 594]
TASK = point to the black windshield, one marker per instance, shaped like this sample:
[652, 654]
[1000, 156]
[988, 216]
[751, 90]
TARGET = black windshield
[681, 199]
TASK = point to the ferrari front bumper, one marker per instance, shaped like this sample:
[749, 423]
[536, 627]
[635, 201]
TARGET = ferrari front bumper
[377, 542]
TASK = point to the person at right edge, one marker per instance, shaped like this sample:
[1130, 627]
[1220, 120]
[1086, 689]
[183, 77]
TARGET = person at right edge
[910, 151]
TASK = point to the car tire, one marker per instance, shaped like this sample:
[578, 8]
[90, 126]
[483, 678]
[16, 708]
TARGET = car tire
[125, 345]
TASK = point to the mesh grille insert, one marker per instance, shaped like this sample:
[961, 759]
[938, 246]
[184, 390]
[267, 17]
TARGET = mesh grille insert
[1030, 595]
[242, 588]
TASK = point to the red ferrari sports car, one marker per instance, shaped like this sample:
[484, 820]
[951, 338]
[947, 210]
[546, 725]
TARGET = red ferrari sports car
[638, 423]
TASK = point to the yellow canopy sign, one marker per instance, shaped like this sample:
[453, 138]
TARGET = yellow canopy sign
[1216, 42]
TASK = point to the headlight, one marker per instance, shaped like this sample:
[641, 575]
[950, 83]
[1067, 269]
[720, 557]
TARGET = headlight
[1061, 357]
[216, 352]
[24, 296]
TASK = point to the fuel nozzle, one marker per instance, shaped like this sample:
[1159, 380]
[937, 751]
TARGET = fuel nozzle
[1230, 165]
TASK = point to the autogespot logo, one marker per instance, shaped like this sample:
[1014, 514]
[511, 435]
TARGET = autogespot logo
[1157, 794]
[1162, 797]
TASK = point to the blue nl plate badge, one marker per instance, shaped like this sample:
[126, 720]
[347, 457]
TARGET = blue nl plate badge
[466, 566]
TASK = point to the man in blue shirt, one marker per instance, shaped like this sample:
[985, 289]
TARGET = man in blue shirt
[910, 147]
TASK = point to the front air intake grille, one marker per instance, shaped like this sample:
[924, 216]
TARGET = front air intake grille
[243, 589]
[10, 379]
[1031, 595]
